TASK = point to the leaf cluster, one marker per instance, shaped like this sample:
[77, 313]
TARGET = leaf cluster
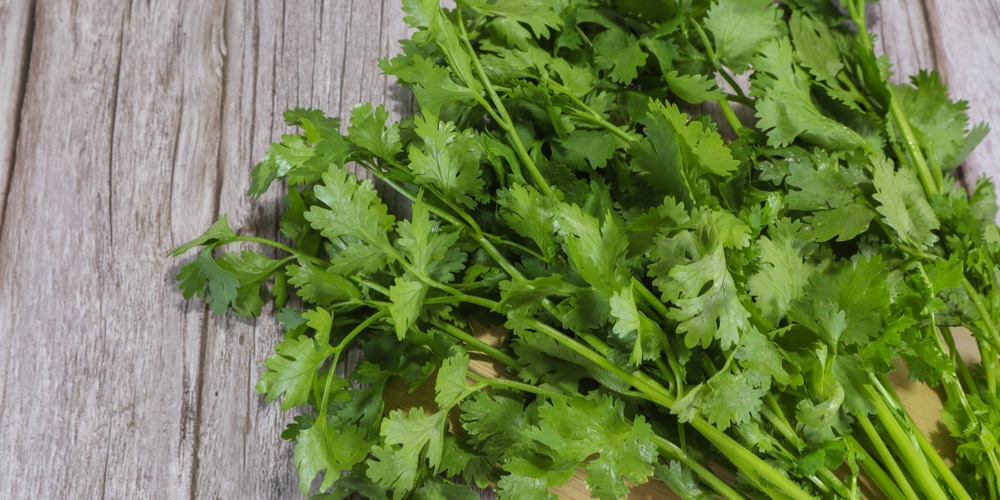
[674, 289]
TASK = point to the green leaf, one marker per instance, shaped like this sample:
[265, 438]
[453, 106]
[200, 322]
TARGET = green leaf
[317, 286]
[740, 27]
[407, 300]
[368, 130]
[333, 449]
[448, 160]
[204, 277]
[355, 210]
[783, 273]
[703, 149]
[430, 250]
[433, 85]
[706, 302]
[642, 334]
[412, 441]
[577, 428]
[537, 14]
[252, 269]
[726, 399]
[531, 215]
[758, 353]
[217, 234]
[588, 146]
[903, 205]
[940, 124]
[620, 53]
[440, 490]
[785, 107]
[452, 383]
[596, 250]
[296, 362]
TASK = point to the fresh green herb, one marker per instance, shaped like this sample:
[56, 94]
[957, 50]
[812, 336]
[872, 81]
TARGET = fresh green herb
[671, 299]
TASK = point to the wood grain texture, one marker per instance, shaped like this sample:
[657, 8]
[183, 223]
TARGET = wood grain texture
[16, 25]
[128, 127]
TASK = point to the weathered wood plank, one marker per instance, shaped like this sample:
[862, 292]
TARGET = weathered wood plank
[61, 393]
[15, 46]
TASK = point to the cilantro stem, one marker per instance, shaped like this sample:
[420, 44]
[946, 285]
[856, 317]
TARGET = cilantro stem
[883, 385]
[505, 121]
[588, 113]
[299, 255]
[984, 314]
[727, 110]
[870, 466]
[673, 452]
[340, 349]
[930, 181]
[914, 462]
[476, 342]
[517, 386]
[883, 452]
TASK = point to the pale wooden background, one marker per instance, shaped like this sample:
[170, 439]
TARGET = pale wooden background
[126, 128]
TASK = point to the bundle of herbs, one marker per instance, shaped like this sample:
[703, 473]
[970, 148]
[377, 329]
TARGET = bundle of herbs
[716, 314]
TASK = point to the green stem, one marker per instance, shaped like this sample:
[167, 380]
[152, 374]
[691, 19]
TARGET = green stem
[927, 178]
[340, 348]
[870, 467]
[299, 255]
[588, 113]
[477, 343]
[925, 446]
[504, 121]
[915, 462]
[517, 386]
[984, 313]
[673, 452]
[886, 456]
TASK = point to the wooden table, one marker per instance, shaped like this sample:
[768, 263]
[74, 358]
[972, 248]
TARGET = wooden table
[126, 128]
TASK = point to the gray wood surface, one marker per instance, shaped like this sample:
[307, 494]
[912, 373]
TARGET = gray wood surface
[126, 128]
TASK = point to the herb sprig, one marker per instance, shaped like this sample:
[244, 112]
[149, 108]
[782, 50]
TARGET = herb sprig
[676, 305]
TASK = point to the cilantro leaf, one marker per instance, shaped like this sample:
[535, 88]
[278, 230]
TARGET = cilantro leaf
[335, 450]
[726, 399]
[707, 305]
[368, 130]
[431, 250]
[407, 300]
[295, 364]
[320, 287]
[740, 27]
[903, 205]
[620, 53]
[531, 215]
[448, 160]
[204, 278]
[452, 385]
[785, 107]
[537, 14]
[596, 249]
[783, 273]
[217, 234]
[355, 210]
[578, 427]
[410, 440]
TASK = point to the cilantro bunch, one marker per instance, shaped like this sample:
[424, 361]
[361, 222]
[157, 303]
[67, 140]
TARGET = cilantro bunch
[716, 314]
